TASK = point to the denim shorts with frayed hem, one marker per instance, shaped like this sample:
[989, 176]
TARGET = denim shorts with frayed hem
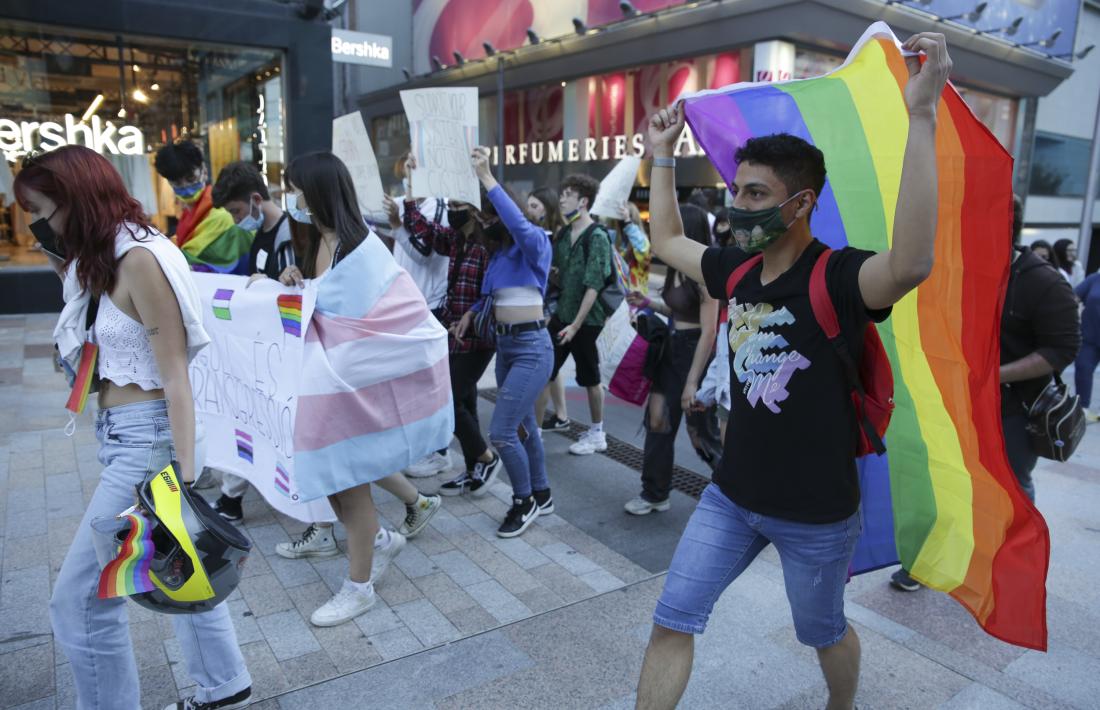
[722, 539]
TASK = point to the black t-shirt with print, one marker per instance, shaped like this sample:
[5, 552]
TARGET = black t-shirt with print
[791, 439]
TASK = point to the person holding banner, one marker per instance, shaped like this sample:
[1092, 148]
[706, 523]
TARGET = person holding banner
[632, 246]
[341, 456]
[133, 287]
[512, 294]
[789, 477]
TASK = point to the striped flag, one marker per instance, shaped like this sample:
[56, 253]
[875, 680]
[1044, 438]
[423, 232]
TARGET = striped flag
[375, 393]
[944, 494]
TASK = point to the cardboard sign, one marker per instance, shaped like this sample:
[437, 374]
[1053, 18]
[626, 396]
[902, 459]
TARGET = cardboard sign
[351, 144]
[443, 125]
[615, 188]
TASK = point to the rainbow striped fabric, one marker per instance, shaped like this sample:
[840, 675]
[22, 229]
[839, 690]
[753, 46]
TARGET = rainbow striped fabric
[85, 375]
[128, 573]
[216, 244]
[959, 520]
[290, 312]
[375, 391]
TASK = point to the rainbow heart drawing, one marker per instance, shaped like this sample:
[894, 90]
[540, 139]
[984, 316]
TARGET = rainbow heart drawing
[244, 445]
[290, 311]
[220, 303]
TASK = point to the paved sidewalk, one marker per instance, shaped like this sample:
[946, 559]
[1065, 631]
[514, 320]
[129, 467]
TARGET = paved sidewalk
[557, 618]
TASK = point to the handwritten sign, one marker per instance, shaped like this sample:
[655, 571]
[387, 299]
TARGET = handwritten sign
[351, 144]
[443, 126]
[245, 384]
[615, 188]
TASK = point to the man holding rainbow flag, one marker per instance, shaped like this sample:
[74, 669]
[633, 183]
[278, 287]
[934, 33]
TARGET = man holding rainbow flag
[789, 475]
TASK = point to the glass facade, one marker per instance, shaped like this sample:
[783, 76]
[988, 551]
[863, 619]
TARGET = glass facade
[1059, 165]
[125, 96]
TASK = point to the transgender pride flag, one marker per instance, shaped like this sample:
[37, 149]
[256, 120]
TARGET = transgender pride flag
[375, 394]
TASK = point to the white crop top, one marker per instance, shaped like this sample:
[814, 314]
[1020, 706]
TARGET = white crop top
[125, 354]
[517, 296]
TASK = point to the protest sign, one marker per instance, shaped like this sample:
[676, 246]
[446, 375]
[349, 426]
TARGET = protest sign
[351, 144]
[615, 188]
[245, 384]
[443, 128]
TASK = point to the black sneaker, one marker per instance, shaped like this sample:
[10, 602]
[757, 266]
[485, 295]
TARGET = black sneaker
[544, 501]
[229, 508]
[484, 475]
[240, 700]
[522, 513]
[901, 580]
[460, 485]
[553, 423]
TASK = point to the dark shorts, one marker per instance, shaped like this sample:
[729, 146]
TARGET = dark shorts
[583, 349]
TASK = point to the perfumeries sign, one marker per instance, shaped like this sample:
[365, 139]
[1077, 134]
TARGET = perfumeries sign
[576, 150]
[20, 137]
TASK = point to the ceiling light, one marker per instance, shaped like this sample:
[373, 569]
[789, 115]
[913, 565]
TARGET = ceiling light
[92, 108]
[122, 112]
[140, 96]
[154, 86]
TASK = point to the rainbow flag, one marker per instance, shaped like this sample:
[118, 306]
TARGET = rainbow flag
[290, 311]
[215, 244]
[129, 572]
[85, 375]
[960, 522]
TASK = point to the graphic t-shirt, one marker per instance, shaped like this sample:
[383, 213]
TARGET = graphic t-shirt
[791, 438]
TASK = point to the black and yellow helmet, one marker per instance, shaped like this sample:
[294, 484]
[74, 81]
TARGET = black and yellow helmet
[175, 555]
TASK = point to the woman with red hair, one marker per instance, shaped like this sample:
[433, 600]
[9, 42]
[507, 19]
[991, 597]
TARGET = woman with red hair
[132, 285]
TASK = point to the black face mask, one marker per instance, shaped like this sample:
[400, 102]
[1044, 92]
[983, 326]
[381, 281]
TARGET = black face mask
[48, 238]
[496, 232]
[458, 218]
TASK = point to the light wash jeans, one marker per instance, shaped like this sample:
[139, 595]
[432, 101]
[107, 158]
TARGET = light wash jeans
[524, 363]
[93, 632]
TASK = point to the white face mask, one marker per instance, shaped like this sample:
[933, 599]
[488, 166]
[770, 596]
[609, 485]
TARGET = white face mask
[296, 212]
[250, 222]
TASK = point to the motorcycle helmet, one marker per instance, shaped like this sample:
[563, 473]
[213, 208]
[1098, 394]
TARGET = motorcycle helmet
[174, 554]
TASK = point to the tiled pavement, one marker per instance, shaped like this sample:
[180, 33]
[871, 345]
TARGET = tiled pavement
[555, 619]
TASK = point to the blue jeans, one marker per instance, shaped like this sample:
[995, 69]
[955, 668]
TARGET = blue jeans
[93, 632]
[1083, 370]
[721, 540]
[524, 363]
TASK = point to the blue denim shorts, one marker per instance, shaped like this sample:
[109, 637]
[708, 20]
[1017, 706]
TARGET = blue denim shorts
[721, 540]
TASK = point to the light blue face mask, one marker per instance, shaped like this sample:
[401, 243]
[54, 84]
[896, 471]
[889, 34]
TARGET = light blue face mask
[250, 223]
[298, 214]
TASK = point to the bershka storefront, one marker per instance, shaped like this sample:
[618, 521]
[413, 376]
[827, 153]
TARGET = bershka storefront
[64, 81]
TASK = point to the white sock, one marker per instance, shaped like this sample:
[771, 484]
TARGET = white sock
[362, 587]
[382, 538]
[421, 501]
[596, 428]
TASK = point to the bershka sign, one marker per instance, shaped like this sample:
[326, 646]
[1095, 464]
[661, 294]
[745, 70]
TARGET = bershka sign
[103, 137]
[362, 48]
[576, 150]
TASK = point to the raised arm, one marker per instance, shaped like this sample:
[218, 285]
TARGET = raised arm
[887, 276]
[530, 238]
[666, 230]
[427, 234]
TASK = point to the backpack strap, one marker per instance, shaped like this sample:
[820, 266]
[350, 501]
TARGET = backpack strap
[825, 315]
[739, 273]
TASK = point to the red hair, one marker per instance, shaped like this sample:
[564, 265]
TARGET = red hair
[83, 182]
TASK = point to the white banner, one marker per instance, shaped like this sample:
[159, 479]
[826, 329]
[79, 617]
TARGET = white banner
[615, 188]
[351, 144]
[245, 384]
[443, 127]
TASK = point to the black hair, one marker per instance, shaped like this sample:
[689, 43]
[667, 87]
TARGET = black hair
[699, 199]
[326, 184]
[1017, 218]
[1059, 250]
[177, 161]
[236, 182]
[722, 215]
[798, 164]
[1044, 244]
[696, 228]
[584, 185]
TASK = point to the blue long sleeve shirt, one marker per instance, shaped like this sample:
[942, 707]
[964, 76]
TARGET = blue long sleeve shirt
[526, 262]
[1089, 293]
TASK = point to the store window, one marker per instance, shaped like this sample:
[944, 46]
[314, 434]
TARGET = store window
[125, 96]
[1059, 165]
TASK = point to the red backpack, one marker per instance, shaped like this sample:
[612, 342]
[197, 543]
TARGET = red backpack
[871, 382]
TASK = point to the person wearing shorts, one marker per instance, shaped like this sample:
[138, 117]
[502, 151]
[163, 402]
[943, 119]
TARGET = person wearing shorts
[788, 474]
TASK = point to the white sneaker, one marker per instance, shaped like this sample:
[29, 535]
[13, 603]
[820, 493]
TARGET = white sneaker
[418, 514]
[430, 465]
[591, 442]
[1091, 416]
[345, 605]
[387, 545]
[641, 506]
[316, 541]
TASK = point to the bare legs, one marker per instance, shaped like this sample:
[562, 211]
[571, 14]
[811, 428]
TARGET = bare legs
[555, 392]
[595, 403]
[399, 486]
[666, 669]
[840, 664]
[355, 509]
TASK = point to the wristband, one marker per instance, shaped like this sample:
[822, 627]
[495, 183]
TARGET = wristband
[664, 162]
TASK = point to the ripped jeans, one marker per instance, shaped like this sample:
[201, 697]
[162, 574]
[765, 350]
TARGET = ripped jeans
[524, 363]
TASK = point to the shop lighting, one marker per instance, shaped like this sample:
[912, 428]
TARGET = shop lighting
[532, 37]
[972, 16]
[490, 50]
[154, 86]
[407, 73]
[438, 65]
[1010, 30]
[628, 9]
[122, 112]
[1080, 55]
[1048, 42]
[579, 26]
[92, 108]
[136, 68]
[140, 96]
[459, 59]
